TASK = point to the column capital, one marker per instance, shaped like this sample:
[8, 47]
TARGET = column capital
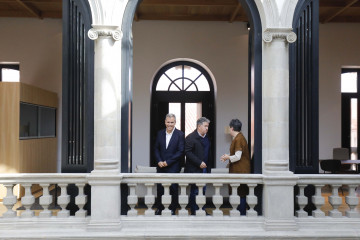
[279, 33]
[105, 31]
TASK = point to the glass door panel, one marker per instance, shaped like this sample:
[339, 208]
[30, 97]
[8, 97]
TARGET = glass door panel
[175, 108]
[193, 112]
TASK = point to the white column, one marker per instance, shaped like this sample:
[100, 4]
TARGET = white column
[107, 16]
[105, 186]
[278, 193]
[276, 100]
[279, 181]
[107, 94]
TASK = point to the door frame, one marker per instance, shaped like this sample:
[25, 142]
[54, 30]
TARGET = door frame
[157, 122]
[346, 112]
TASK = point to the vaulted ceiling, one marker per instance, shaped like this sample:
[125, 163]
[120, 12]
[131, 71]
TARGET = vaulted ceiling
[183, 10]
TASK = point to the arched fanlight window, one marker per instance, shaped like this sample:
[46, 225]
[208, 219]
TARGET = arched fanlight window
[182, 78]
[185, 89]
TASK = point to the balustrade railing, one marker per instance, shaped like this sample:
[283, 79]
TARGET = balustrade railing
[322, 196]
[26, 204]
[216, 186]
[317, 196]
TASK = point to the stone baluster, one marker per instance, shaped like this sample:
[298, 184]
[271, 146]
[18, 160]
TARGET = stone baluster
[183, 199]
[251, 200]
[166, 200]
[27, 201]
[80, 201]
[132, 199]
[200, 200]
[335, 200]
[63, 201]
[319, 201]
[352, 200]
[9, 201]
[149, 199]
[45, 201]
[234, 200]
[217, 200]
[302, 200]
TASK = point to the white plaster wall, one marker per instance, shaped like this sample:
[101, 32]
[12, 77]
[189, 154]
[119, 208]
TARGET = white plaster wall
[339, 47]
[37, 45]
[221, 46]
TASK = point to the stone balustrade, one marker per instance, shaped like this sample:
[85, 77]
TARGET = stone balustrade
[213, 183]
[22, 202]
[320, 202]
[317, 191]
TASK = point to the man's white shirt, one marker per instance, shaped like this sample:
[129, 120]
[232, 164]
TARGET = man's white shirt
[168, 137]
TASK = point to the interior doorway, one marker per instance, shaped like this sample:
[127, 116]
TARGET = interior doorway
[350, 110]
[185, 89]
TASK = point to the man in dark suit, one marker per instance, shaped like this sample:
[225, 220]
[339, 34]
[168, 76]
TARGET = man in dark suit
[198, 156]
[169, 155]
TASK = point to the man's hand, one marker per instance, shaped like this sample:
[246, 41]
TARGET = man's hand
[162, 164]
[203, 165]
[224, 157]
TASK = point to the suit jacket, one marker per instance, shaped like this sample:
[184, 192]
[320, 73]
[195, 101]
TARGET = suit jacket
[194, 152]
[173, 155]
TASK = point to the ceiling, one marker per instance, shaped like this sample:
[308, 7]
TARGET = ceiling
[184, 10]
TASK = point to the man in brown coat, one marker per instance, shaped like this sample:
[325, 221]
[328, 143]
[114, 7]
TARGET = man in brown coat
[239, 159]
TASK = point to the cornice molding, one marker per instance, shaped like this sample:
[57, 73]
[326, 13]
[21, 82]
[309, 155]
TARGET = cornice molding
[279, 33]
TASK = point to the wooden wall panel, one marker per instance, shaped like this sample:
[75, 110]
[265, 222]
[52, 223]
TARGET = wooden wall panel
[30, 155]
[34, 95]
[38, 155]
[9, 127]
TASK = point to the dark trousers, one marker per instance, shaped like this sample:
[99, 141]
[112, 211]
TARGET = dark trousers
[242, 207]
[174, 196]
[194, 190]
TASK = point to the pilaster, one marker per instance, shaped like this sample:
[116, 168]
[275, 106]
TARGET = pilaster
[278, 203]
[105, 202]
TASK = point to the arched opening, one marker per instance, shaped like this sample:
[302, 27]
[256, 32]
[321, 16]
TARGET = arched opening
[248, 108]
[186, 89]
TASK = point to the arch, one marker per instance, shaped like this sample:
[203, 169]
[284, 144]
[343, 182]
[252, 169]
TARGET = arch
[183, 74]
[255, 78]
[212, 77]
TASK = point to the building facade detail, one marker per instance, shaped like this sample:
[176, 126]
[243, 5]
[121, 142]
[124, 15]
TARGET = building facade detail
[272, 198]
